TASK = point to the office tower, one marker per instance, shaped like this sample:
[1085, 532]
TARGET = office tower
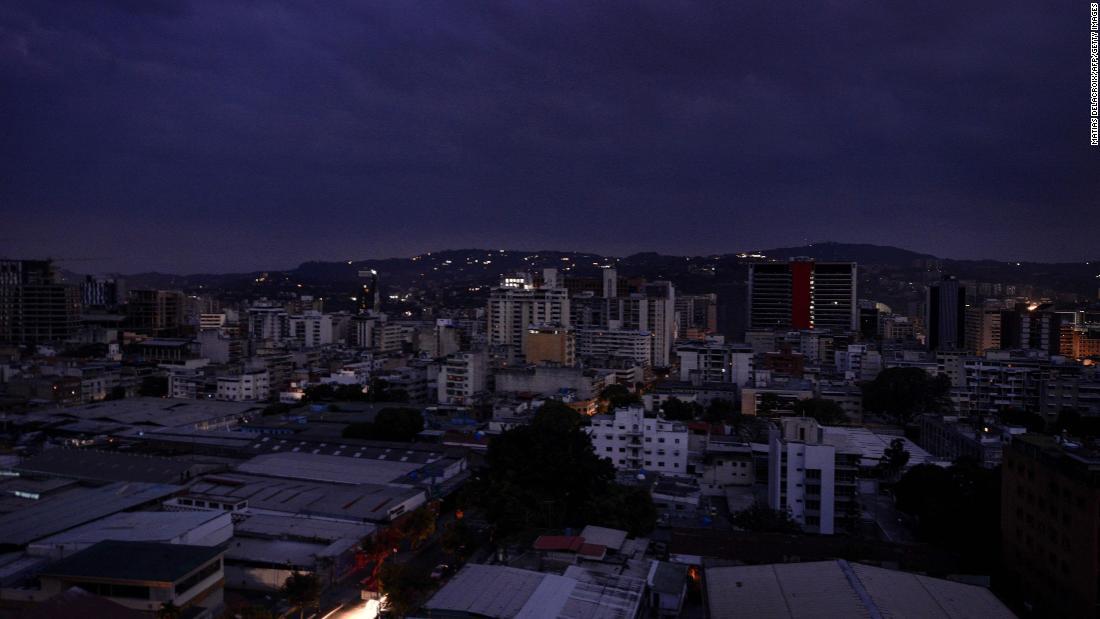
[983, 327]
[812, 477]
[1050, 504]
[869, 323]
[550, 344]
[697, 315]
[155, 312]
[34, 307]
[268, 323]
[946, 315]
[803, 294]
[1035, 326]
[516, 305]
[653, 310]
[102, 292]
[370, 297]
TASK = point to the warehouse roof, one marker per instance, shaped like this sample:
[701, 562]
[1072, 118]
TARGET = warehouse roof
[134, 561]
[75, 507]
[842, 589]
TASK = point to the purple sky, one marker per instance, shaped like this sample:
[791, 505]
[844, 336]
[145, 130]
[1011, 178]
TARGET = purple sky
[221, 136]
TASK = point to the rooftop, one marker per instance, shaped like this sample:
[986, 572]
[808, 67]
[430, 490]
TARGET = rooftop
[134, 561]
[137, 526]
[94, 465]
[76, 507]
[842, 589]
[610, 538]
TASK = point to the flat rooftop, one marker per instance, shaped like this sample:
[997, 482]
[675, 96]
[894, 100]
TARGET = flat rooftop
[134, 561]
[842, 589]
[95, 465]
[336, 469]
[137, 526]
[75, 507]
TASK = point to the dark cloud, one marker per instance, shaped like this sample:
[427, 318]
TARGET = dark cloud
[218, 135]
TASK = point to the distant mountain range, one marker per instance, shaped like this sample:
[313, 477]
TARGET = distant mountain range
[479, 267]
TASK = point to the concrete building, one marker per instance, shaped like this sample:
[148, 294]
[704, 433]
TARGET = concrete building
[633, 441]
[246, 386]
[550, 380]
[813, 477]
[550, 344]
[714, 361]
[461, 377]
[697, 315]
[517, 304]
[1050, 504]
[143, 575]
[652, 311]
[600, 343]
[951, 437]
[945, 317]
[859, 362]
[155, 312]
[34, 306]
[313, 329]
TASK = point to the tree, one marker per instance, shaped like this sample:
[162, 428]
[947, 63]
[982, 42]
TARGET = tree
[675, 409]
[719, 410]
[457, 539]
[763, 519]
[826, 412]
[957, 508]
[118, 392]
[381, 391]
[168, 610]
[153, 386]
[894, 458]
[419, 525]
[302, 590]
[402, 588]
[619, 396]
[390, 424]
[546, 474]
[903, 393]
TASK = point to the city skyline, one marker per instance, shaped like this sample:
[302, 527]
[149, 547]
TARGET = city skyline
[205, 137]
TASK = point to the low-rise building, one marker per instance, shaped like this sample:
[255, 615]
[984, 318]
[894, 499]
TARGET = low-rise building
[631, 440]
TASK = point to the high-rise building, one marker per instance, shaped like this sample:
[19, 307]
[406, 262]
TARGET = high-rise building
[803, 294]
[1050, 504]
[946, 315]
[813, 477]
[697, 315]
[369, 294]
[517, 304]
[155, 312]
[34, 306]
[714, 361]
[983, 326]
[653, 311]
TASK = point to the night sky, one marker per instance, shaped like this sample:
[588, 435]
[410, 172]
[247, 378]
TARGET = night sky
[221, 136]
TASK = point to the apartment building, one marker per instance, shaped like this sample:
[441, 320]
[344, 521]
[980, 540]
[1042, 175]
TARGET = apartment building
[632, 441]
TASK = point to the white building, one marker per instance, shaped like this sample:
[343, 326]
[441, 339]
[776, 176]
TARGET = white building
[633, 441]
[714, 361]
[653, 311]
[462, 376]
[268, 323]
[313, 329]
[812, 476]
[859, 362]
[517, 304]
[623, 343]
[248, 386]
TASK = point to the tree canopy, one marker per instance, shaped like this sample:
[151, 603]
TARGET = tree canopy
[903, 393]
[675, 409]
[763, 519]
[546, 474]
[618, 396]
[957, 508]
[302, 589]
